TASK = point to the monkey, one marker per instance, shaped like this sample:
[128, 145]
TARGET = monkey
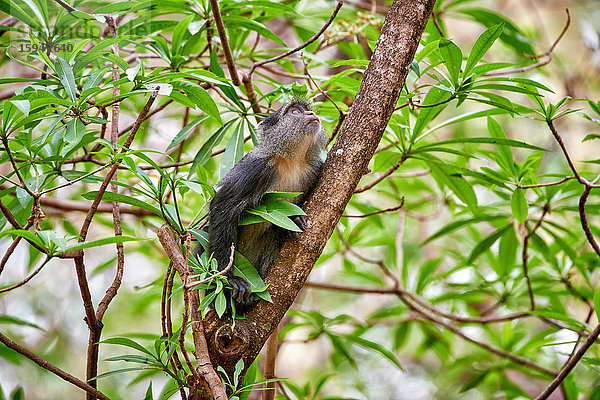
[288, 158]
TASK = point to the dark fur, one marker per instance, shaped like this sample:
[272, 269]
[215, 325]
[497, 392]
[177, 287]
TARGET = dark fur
[287, 159]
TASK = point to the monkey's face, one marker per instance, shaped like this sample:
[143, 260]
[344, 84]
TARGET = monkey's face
[292, 126]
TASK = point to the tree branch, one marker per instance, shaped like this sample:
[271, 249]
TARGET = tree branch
[235, 78]
[570, 364]
[345, 165]
[51, 367]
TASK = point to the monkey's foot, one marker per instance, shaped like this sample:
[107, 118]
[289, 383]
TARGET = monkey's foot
[241, 291]
[301, 222]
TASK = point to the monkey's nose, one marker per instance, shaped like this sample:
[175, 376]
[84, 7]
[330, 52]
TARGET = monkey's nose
[312, 117]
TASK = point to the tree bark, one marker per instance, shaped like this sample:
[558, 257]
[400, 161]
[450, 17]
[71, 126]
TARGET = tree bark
[345, 165]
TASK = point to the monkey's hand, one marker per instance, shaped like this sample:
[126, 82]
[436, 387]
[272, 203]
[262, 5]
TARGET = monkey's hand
[241, 291]
[301, 222]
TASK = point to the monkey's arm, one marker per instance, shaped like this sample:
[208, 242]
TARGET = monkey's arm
[242, 188]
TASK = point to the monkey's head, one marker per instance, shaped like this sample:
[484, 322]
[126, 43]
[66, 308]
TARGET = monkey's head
[292, 128]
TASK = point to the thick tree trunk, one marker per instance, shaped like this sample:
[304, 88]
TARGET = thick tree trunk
[346, 163]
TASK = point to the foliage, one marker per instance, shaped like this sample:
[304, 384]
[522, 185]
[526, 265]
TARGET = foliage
[480, 285]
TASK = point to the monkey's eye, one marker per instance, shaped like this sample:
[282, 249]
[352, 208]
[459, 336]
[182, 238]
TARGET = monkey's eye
[295, 111]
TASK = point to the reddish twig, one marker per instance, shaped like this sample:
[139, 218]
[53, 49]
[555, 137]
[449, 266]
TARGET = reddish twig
[66, 6]
[566, 178]
[270, 359]
[111, 292]
[525, 256]
[8, 215]
[382, 177]
[225, 43]
[337, 8]
[547, 55]
[377, 212]
[9, 252]
[28, 278]
[167, 326]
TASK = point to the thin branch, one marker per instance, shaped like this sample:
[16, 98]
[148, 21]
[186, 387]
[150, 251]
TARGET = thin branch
[225, 43]
[111, 292]
[66, 6]
[223, 272]
[51, 367]
[525, 256]
[547, 55]
[88, 219]
[9, 216]
[584, 221]
[561, 143]
[271, 358]
[417, 105]
[9, 252]
[570, 364]
[205, 367]
[167, 326]
[418, 300]
[28, 278]
[566, 178]
[383, 176]
[403, 296]
[436, 23]
[337, 8]
[14, 165]
[377, 212]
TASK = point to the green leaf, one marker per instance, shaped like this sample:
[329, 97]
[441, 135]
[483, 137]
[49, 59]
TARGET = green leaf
[178, 35]
[465, 117]
[201, 98]
[149, 395]
[205, 151]
[234, 20]
[102, 242]
[377, 347]
[573, 323]
[234, 150]
[121, 341]
[340, 347]
[434, 96]
[10, 320]
[220, 304]
[482, 45]
[591, 136]
[244, 269]
[518, 205]
[65, 73]
[486, 243]
[118, 371]
[460, 223]
[275, 217]
[506, 157]
[122, 198]
[461, 188]
[497, 141]
[507, 251]
[452, 57]
[183, 133]
[29, 236]
[597, 303]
